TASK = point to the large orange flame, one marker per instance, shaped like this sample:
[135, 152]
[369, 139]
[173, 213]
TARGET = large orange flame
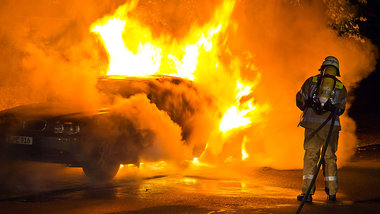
[133, 51]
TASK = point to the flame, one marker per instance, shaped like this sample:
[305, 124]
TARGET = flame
[123, 61]
[146, 55]
[237, 115]
[244, 153]
[196, 163]
[134, 51]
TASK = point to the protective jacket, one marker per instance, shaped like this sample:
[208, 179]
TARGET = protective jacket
[310, 118]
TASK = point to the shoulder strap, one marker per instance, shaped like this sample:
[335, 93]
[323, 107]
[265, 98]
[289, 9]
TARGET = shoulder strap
[339, 85]
[315, 79]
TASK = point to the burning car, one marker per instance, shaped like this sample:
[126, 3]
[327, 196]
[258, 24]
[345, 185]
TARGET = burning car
[98, 141]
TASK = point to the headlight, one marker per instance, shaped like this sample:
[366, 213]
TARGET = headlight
[66, 128]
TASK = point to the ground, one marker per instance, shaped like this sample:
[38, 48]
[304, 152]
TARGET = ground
[58, 189]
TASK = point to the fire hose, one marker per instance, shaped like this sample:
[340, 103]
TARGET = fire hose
[331, 117]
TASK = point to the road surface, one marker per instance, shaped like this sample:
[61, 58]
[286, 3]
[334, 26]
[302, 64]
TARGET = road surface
[50, 188]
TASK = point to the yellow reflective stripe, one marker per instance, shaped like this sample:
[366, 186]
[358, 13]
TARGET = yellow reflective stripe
[330, 178]
[315, 78]
[306, 177]
[339, 85]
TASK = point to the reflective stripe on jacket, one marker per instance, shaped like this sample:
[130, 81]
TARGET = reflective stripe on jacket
[310, 119]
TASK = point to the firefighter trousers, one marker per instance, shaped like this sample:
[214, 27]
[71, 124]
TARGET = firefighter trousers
[313, 150]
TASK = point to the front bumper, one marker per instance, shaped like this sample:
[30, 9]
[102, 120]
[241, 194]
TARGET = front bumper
[64, 150]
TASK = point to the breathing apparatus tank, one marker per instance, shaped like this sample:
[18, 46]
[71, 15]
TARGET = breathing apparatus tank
[327, 85]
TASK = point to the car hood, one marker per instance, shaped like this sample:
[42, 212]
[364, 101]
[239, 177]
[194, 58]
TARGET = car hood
[52, 110]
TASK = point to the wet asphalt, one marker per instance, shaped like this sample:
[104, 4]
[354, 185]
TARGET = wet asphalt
[51, 188]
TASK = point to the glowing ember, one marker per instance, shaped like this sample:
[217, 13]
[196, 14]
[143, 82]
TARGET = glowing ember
[195, 161]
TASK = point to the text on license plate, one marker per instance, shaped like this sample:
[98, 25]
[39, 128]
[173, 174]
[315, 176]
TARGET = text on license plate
[21, 140]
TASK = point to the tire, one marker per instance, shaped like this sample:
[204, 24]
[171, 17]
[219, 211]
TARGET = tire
[101, 172]
[100, 168]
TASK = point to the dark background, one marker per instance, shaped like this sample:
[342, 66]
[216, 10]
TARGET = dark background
[365, 109]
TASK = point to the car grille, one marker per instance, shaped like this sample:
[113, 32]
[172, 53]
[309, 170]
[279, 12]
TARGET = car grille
[35, 125]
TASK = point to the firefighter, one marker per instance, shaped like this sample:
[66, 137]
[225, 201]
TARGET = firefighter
[319, 96]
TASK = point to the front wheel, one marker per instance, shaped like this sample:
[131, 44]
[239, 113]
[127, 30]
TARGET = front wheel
[101, 172]
[100, 167]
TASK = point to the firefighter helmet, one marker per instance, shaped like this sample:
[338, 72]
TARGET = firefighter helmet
[333, 61]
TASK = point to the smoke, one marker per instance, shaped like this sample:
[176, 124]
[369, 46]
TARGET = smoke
[289, 43]
[48, 54]
[281, 44]
[153, 118]
[146, 116]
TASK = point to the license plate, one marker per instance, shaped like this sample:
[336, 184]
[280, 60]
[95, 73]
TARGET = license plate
[20, 140]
